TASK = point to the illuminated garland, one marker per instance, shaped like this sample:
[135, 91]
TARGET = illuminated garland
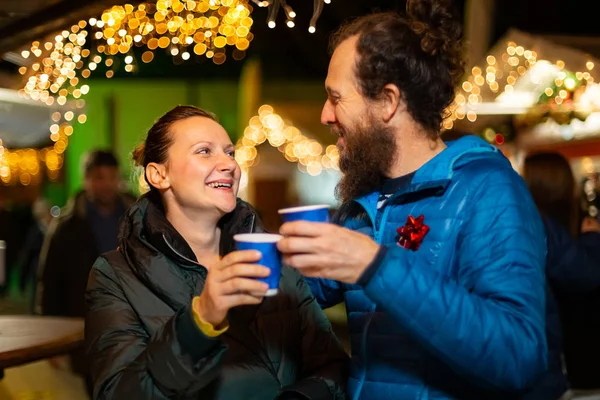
[204, 27]
[26, 166]
[501, 75]
[59, 66]
[310, 155]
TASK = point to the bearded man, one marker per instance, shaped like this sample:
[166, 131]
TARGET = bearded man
[440, 254]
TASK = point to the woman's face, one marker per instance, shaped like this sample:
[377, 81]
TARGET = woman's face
[201, 168]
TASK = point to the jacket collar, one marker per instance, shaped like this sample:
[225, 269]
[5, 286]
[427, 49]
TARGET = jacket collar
[162, 235]
[161, 258]
[146, 223]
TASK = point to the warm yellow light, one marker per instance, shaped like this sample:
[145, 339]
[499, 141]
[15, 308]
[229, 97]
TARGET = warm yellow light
[148, 56]
[570, 83]
[200, 48]
[267, 125]
[206, 27]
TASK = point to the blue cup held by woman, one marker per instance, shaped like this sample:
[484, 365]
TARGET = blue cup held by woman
[266, 243]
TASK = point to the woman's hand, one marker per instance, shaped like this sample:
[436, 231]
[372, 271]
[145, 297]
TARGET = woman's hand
[231, 283]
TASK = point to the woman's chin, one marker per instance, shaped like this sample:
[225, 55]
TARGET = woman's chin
[228, 206]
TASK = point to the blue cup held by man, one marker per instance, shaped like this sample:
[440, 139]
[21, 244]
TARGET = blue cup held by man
[316, 213]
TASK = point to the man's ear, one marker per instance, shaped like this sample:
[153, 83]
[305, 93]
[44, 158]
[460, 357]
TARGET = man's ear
[392, 102]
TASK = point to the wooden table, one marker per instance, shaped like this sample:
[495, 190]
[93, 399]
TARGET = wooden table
[25, 338]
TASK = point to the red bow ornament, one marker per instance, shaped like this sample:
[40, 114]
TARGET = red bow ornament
[411, 235]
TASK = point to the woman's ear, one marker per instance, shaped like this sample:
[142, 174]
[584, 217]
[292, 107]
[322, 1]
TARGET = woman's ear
[157, 176]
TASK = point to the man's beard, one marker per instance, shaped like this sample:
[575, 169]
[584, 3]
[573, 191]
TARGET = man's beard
[366, 159]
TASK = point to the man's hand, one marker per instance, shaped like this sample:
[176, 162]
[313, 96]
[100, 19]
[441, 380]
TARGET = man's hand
[323, 250]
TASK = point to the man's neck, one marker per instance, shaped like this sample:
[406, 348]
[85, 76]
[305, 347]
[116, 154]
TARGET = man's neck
[415, 149]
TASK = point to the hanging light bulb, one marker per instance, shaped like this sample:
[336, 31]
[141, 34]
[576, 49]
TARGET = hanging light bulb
[290, 14]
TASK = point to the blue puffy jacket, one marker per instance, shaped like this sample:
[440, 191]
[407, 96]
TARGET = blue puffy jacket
[463, 316]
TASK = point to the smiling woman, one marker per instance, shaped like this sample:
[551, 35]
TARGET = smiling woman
[187, 147]
[163, 310]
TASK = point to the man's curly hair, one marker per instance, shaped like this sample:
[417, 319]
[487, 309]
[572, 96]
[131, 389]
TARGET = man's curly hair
[420, 53]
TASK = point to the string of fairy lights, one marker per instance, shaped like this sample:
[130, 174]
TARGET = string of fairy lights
[500, 76]
[268, 126]
[183, 28]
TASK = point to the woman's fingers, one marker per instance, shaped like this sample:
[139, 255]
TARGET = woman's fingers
[239, 257]
[243, 285]
[242, 270]
[242, 299]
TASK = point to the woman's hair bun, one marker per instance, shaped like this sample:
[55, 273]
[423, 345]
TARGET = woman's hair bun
[138, 155]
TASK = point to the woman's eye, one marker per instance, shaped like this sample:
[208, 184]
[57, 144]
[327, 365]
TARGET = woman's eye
[231, 153]
[203, 150]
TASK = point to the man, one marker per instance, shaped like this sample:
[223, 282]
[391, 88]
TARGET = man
[87, 228]
[440, 260]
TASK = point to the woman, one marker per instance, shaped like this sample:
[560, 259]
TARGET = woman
[572, 264]
[170, 314]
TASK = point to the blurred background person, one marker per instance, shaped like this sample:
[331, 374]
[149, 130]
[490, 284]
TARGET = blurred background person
[85, 229]
[573, 274]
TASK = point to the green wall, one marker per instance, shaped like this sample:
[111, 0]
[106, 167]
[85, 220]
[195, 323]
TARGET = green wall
[121, 111]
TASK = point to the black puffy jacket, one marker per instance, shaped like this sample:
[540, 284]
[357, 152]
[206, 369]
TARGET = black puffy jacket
[143, 342]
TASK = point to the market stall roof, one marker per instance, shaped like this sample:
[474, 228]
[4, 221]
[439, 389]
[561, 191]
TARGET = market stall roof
[518, 69]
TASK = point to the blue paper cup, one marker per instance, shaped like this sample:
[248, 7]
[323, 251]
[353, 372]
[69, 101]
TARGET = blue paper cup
[317, 213]
[266, 243]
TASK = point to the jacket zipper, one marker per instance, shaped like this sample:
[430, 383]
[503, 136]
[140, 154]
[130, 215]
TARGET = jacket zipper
[179, 254]
[377, 237]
